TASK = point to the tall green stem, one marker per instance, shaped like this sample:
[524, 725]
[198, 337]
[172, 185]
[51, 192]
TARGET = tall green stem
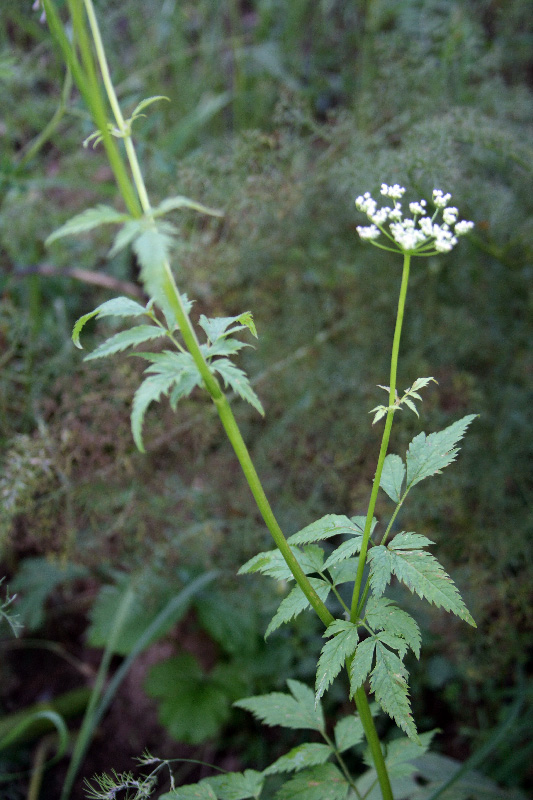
[223, 407]
[356, 598]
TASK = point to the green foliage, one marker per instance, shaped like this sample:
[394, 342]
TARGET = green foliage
[295, 603]
[192, 706]
[304, 755]
[149, 597]
[334, 653]
[35, 581]
[276, 708]
[465, 124]
[324, 782]
[418, 570]
[429, 455]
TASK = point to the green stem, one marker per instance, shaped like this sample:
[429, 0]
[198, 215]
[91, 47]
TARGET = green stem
[189, 337]
[228, 420]
[356, 598]
[363, 709]
[90, 91]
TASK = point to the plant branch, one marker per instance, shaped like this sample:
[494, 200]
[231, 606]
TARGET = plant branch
[356, 598]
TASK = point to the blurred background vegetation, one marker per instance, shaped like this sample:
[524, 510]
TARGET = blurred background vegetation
[280, 113]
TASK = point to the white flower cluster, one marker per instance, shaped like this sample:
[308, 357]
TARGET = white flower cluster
[418, 235]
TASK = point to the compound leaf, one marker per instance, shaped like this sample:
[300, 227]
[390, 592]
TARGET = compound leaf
[382, 614]
[344, 552]
[305, 755]
[277, 708]
[124, 339]
[87, 220]
[334, 653]
[392, 477]
[295, 603]
[324, 782]
[235, 377]
[389, 684]
[117, 307]
[428, 455]
[422, 573]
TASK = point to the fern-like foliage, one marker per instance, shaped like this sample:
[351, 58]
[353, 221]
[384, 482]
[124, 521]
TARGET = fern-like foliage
[171, 374]
[418, 570]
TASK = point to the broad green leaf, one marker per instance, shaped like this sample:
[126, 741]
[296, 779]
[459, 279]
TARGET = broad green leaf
[428, 455]
[305, 755]
[148, 392]
[238, 785]
[175, 203]
[191, 706]
[193, 791]
[380, 561]
[362, 662]
[117, 307]
[389, 684]
[296, 711]
[382, 614]
[422, 574]
[235, 377]
[295, 603]
[334, 653]
[349, 731]
[324, 528]
[324, 782]
[392, 477]
[124, 339]
[87, 220]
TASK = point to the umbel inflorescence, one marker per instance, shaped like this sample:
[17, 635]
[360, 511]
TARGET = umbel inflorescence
[419, 235]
